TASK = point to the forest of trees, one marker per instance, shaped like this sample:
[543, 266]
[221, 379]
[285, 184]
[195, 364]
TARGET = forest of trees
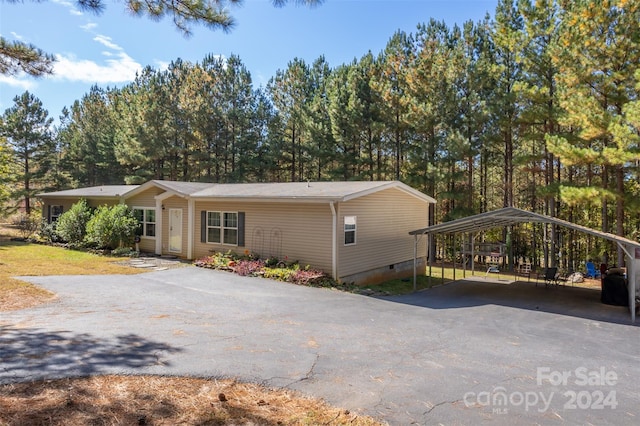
[536, 107]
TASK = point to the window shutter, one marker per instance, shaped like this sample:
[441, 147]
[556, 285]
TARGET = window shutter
[240, 229]
[203, 226]
[48, 213]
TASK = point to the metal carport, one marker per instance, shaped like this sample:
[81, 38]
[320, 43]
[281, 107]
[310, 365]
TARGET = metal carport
[511, 215]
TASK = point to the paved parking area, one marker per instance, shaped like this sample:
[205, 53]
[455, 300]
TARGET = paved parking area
[463, 353]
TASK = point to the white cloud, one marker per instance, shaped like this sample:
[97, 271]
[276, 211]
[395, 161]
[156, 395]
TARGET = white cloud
[16, 36]
[122, 68]
[118, 66]
[89, 26]
[69, 5]
[22, 83]
[106, 41]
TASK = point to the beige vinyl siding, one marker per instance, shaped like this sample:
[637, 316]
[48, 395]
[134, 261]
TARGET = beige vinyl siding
[383, 222]
[147, 245]
[296, 231]
[147, 200]
[175, 203]
[66, 203]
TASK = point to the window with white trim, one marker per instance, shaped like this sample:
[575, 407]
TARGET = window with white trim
[146, 222]
[222, 227]
[349, 230]
[56, 212]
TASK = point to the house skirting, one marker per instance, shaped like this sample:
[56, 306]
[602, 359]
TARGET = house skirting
[389, 272]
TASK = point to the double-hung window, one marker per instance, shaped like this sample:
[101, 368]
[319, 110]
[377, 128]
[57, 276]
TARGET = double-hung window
[222, 227]
[146, 222]
[56, 212]
[349, 230]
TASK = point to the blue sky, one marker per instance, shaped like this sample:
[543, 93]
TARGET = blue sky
[109, 48]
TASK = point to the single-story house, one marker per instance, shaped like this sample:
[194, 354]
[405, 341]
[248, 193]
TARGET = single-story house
[354, 231]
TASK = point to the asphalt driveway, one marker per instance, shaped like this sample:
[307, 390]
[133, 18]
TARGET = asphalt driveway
[464, 353]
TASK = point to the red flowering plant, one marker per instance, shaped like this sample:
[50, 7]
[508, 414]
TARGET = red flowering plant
[249, 267]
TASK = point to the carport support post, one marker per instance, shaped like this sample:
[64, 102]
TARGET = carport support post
[473, 254]
[431, 255]
[443, 254]
[415, 262]
[453, 251]
[633, 254]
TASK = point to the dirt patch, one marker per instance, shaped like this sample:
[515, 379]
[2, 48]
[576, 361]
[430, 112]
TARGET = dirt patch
[154, 400]
[15, 294]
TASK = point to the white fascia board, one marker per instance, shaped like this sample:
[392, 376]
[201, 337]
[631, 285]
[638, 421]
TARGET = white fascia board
[393, 184]
[168, 194]
[318, 200]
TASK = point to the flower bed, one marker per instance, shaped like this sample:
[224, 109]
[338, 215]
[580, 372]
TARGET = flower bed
[276, 269]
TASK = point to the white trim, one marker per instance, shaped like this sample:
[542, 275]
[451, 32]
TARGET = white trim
[159, 226]
[354, 230]
[334, 241]
[147, 185]
[190, 226]
[393, 184]
[167, 194]
[221, 227]
[143, 220]
[51, 216]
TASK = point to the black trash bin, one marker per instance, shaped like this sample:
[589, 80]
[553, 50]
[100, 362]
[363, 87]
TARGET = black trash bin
[614, 289]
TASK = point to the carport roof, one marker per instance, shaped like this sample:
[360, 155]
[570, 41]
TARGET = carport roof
[509, 216]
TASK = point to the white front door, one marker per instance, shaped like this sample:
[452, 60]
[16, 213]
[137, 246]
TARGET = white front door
[175, 230]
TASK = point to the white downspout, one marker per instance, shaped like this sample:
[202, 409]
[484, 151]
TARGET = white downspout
[190, 227]
[158, 226]
[334, 241]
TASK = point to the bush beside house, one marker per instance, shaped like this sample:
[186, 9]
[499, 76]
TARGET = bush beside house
[107, 227]
[71, 226]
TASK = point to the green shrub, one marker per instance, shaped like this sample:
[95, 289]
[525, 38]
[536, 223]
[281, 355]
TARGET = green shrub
[28, 224]
[124, 252]
[48, 232]
[279, 274]
[111, 227]
[72, 224]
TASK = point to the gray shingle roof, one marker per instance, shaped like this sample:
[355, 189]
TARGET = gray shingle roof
[184, 188]
[338, 191]
[303, 191]
[109, 191]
